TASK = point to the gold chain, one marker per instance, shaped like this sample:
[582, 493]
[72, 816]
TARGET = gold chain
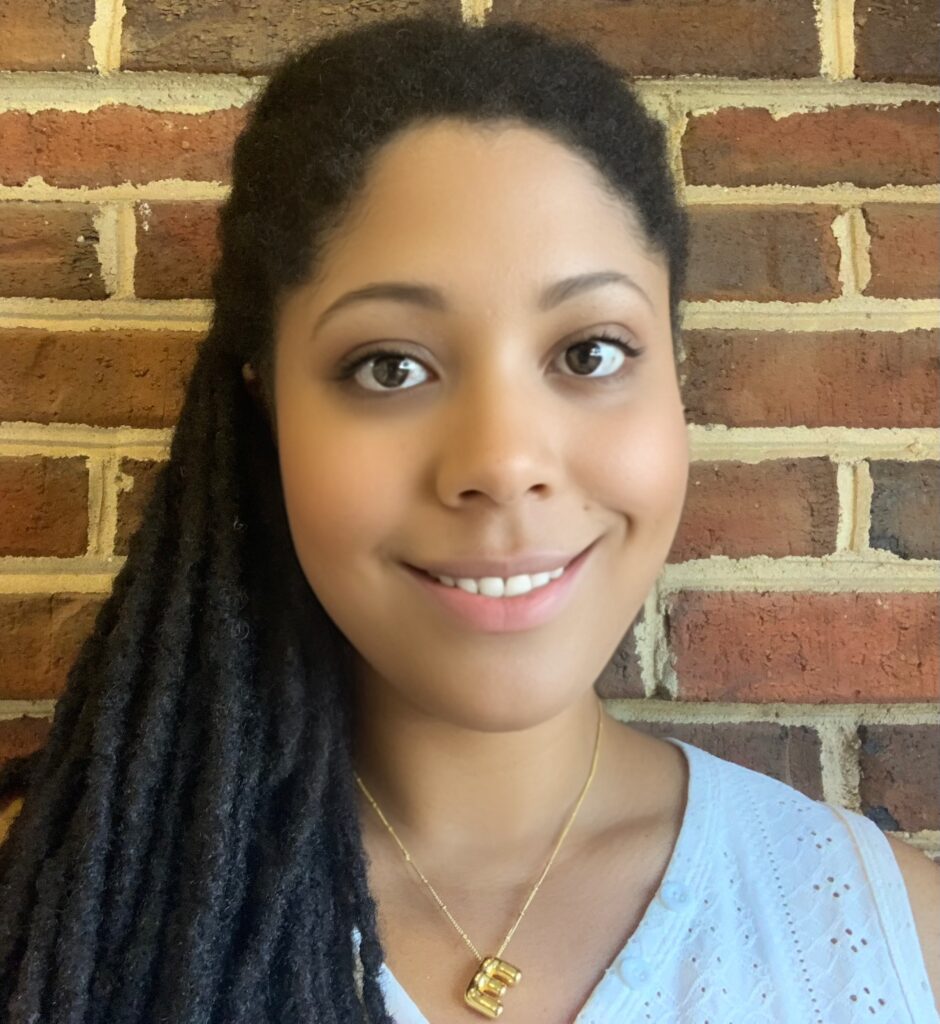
[440, 902]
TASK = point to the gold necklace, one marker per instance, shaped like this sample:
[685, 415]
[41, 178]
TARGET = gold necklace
[494, 975]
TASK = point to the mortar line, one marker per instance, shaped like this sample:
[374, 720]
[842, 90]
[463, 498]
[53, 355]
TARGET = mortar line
[861, 247]
[474, 12]
[864, 491]
[105, 220]
[35, 189]
[842, 233]
[126, 241]
[104, 35]
[845, 446]
[203, 92]
[97, 488]
[855, 312]
[650, 639]
[110, 480]
[838, 757]
[835, 22]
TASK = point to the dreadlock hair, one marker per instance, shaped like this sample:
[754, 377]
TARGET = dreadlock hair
[189, 849]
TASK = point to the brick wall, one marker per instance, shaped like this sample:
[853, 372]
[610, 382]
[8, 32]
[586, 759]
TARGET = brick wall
[795, 625]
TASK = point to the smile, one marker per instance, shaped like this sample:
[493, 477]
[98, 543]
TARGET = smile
[497, 605]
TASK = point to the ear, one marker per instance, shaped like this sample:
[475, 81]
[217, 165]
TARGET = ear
[252, 383]
[253, 387]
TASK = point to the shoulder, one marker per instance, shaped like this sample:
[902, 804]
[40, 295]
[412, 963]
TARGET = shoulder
[922, 881]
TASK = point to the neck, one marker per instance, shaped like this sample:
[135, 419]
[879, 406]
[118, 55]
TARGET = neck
[458, 796]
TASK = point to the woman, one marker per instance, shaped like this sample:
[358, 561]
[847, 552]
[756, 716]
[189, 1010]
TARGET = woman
[334, 750]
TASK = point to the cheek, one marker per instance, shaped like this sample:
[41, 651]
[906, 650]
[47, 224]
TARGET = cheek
[342, 496]
[639, 464]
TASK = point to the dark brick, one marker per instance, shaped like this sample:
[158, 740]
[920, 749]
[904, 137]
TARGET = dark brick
[621, 676]
[897, 41]
[779, 508]
[790, 753]
[246, 36]
[47, 250]
[734, 38]
[863, 145]
[177, 250]
[905, 250]
[763, 253]
[877, 379]
[905, 507]
[133, 503]
[900, 775]
[46, 35]
[114, 144]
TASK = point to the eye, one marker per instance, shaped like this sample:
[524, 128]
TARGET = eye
[392, 367]
[589, 354]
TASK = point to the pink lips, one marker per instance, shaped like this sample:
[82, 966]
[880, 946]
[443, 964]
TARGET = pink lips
[504, 614]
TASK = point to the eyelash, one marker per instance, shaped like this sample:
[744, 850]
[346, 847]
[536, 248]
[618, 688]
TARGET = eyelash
[349, 367]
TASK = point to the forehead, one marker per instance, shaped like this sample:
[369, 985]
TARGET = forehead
[486, 211]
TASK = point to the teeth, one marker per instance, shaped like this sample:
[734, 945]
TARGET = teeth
[495, 586]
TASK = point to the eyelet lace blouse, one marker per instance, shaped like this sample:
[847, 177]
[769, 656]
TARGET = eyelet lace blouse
[774, 909]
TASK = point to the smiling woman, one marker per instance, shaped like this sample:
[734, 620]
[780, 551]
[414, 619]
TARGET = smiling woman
[432, 460]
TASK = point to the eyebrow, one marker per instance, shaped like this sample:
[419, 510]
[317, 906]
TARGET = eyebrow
[431, 298]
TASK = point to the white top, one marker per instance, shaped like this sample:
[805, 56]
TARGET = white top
[774, 909]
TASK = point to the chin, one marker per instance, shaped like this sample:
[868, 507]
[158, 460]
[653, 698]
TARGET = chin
[506, 711]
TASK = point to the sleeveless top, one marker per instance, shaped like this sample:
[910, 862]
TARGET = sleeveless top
[774, 909]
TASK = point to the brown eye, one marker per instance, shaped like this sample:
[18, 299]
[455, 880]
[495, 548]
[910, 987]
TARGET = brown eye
[599, 351]
[389, 369]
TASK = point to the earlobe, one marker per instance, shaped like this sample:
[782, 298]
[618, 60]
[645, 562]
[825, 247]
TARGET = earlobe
[253, 387]
[250, 377]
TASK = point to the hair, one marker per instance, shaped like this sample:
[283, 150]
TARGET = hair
[189, 847]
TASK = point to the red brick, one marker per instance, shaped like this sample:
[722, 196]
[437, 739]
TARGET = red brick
[48, 250]
[736, 38]
[816, 648]
[742, 378]
[790, 753]
[177, 250]
[905, 507]
[43, 635]
[900, 775]
[897, 42]
[905, 250]
[248, 36]
[114, 144]
[22, 736]
[104, 378]
[763, 253]
[132, 503]
[45, 506]
[777, 508]
[46, 35]
[863, 145]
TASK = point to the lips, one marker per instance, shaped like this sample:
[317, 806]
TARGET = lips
[542, 560]
[503, 614]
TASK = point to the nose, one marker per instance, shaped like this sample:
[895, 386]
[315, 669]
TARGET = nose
[497, 446]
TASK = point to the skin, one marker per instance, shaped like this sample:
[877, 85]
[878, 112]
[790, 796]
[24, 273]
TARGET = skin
[498, 446]
[492, 443]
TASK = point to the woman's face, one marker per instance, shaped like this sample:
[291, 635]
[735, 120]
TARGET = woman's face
[510, 429]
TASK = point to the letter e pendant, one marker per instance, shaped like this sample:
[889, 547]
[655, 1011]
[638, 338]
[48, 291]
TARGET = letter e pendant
[489, 984]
